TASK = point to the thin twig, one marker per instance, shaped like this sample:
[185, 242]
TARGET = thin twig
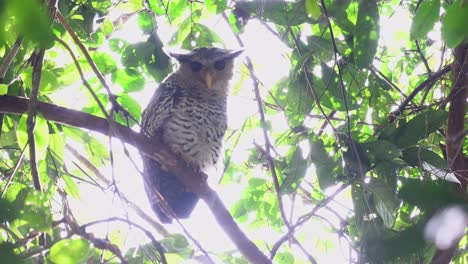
[309, 257]
[97, 242]
[156, 244]
[304, 219]
[160, 228]
[268, 146]
[380, 74]
[8, 59]
[112, 98]
[434, 77]
[305, 70]
[340, 75]
[15, 170]
[423, 58]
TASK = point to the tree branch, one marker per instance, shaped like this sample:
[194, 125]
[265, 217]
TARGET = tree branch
[9, 58]
[394, 115]
[157, 150]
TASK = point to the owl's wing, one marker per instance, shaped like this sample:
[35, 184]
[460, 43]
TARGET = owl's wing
[156, 177]
[159, 109]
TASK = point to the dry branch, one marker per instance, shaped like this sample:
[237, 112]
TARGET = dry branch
[154, 149]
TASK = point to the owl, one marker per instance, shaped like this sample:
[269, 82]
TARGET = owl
[188, 114]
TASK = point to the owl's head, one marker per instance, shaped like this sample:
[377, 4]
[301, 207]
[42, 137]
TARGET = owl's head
[210, 66]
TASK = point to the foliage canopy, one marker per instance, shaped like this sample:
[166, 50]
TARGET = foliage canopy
[373, 115]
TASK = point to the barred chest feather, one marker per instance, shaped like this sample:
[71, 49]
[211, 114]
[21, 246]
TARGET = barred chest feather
[196, 128]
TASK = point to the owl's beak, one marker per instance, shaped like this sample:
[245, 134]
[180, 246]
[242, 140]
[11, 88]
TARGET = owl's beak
[208, 78]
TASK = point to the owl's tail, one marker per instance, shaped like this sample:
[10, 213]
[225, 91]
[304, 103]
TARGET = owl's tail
[173, 192]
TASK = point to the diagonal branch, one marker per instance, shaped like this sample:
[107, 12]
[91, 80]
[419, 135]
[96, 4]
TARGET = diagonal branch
[8, 59]
[112, 98]
[155, 149]
[430, 80]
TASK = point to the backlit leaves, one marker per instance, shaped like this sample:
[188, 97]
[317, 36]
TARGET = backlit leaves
[396, 171]
[41, 135]
[216, 6]
[313, 8]
[279, 12]
[454, 30]
[69, 251]
[425, 18]
[420, 127]
[366, 33]
[33, 22]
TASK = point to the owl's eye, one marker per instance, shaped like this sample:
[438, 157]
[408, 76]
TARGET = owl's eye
[219, 65]
[195, 66]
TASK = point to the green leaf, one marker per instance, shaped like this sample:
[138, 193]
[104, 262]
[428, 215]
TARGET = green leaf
[415, 156]
[363, 214]
[70, 186]
[284, 258]
[175, 243]
[420, 127]
[146, 22]
[9, 211]
[278, 12]
[107, 27]
[216, 6]
[299, 98]
[70, 251]
[130, 80]
[356, 159]
[366, 33]
[7, 251]
[158, 6]
[331, 93]
[454, 29]
[425, 18]
[238, 209]
[49, 81]
[202, 36]
[313, 8]
[105, 62]
[3, 89]
[32, 20]
[429, 195]
[383, 150]
[387, 173]
[36, 211]
[41, 135]
[295, 171]
[176, 8]
[325, 166]
[256, 182]
[385, 201]
[132, 106]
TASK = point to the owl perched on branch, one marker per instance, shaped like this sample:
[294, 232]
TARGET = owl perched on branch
[188, 114]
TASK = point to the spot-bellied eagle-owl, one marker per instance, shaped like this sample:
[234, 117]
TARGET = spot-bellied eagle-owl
[188, 114]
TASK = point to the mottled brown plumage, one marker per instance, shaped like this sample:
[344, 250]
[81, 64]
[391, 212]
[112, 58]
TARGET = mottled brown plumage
[187, 113]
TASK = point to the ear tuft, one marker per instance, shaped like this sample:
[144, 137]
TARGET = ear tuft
[180, 55]
[234, 53]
